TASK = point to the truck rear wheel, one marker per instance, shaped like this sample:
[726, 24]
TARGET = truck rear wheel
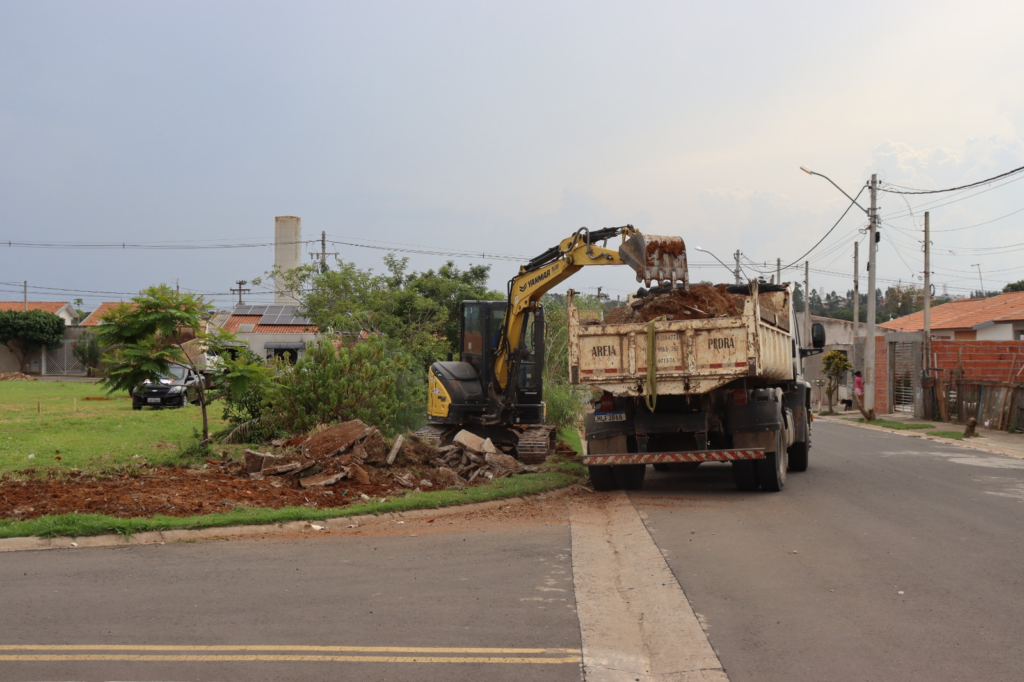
[798, 456]
[771, 471]
[744, 475]
[630, 476]
[601, 478]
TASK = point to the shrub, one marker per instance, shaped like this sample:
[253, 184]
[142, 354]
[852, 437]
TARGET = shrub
[366, 381]
[565, 404]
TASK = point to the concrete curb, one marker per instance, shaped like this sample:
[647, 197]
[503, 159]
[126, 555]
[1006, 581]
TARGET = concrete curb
[969, 444]
[337, 522]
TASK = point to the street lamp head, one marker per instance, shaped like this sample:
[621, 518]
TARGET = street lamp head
[698, 248]
[806, 171]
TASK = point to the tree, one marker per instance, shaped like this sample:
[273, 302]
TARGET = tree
[1014, 286]
[25, 332]
[146, 336]
[416, 312]
[834, 365]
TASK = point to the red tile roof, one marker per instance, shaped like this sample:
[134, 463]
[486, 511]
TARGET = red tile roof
[101, 310]
[235, 321]
[964, 314]
[46, 306]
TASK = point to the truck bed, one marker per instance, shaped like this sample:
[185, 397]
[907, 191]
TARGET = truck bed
[692, 356]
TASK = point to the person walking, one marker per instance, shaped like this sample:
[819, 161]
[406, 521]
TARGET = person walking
[858, 388]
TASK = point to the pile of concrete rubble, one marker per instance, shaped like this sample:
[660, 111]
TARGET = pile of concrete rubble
[359, 454]
[470, 457]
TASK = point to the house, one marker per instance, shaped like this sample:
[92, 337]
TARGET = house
[1000, 318]
[270, 331]
[102, 309]
[61, 309]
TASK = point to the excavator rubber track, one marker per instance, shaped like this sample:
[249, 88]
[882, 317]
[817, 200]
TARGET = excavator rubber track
[535, 444]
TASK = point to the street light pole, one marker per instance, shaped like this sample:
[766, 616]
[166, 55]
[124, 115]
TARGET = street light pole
[869, 342]
[717, 259]
[869, 350]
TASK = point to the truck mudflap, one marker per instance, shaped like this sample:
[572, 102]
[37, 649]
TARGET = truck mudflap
[671, 457]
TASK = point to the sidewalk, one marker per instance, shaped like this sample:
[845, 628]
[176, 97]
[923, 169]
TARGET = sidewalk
[989, 440]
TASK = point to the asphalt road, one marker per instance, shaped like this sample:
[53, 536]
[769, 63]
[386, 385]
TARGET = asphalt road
[434, 594]
[891, 558]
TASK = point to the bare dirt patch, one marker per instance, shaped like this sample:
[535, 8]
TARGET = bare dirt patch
[168, 491]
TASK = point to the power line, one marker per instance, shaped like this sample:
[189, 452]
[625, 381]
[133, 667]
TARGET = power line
[909, 190]
[852, 204]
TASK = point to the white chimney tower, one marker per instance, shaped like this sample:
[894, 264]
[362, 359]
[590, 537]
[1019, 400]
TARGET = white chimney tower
[287, 254]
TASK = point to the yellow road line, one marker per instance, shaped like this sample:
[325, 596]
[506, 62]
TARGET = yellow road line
[283, 658]
[282, 647]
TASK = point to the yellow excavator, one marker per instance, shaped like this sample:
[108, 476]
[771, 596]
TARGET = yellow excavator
[494, 390]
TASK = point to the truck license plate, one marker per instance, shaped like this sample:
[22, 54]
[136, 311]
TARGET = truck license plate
[153, 400]
[610, 417]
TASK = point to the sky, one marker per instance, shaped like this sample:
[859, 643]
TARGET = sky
[498, 129]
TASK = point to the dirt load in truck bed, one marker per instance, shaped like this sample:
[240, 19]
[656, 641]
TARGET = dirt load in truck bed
[699, 302]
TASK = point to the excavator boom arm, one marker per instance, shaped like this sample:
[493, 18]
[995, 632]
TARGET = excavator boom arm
[653, 258]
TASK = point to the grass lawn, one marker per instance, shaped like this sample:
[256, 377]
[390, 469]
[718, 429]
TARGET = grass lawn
[898, 426]
[955, 435]
[58, 424]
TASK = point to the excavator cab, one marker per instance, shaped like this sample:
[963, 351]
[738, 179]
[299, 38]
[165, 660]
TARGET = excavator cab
[459, 390]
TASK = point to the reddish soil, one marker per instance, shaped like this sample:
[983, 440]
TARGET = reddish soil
[699, 302]
[15, 376]
[173, 492]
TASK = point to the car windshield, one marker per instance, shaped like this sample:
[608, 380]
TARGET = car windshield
[174, 373]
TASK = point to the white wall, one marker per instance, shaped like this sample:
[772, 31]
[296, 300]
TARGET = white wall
[1001, 331]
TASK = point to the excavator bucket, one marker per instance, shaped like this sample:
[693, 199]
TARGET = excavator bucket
[655, 258]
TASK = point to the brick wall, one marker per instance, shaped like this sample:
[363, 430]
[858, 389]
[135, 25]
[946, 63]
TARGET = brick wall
[980, 360]
[881, 375]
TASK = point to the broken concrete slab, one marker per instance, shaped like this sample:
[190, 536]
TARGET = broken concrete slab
[375, 447]
[469, 441]
[335, 439]
[281, 469]
[395, 449]
[322, 479]
[257, 461]
[358, 474]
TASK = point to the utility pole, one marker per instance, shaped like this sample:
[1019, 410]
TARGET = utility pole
[980, 280]
[324, 253]
[241, 283]
[856, 292]
[778, 271]
[927, 292]
[737, 270]
[25, 294]
[869, 348]
[807, 304]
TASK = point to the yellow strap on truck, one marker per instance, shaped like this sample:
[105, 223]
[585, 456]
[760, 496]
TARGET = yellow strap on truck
[651, 389]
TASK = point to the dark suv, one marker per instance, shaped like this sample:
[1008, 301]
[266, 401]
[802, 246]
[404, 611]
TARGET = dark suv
[178, 388]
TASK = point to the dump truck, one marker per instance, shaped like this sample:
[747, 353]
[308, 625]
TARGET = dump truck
[691, 385]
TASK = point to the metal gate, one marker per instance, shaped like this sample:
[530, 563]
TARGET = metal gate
[904, 375]
[62, 361]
